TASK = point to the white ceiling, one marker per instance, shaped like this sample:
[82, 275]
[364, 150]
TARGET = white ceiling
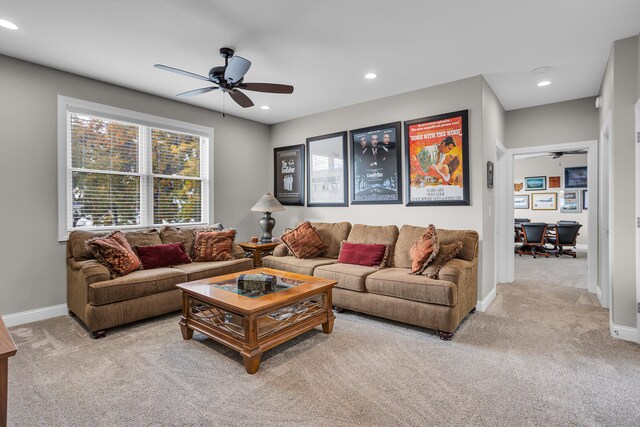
[324, 47]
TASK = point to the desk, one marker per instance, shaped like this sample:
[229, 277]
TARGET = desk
[7, 350]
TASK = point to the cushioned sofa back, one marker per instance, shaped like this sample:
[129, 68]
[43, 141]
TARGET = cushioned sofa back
[386, 234]
[76, 246]
[332, 233]
[409, 234]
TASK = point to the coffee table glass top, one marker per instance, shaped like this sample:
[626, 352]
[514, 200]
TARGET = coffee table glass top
[282, 283]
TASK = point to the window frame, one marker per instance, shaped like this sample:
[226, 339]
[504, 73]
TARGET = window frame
[68, 105]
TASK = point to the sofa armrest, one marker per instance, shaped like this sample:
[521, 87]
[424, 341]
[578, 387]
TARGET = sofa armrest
[281, 250]
[238, 252]
[81, 274]
[90, 271]
[464, 274]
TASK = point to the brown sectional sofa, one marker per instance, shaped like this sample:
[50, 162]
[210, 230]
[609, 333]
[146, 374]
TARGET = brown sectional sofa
[392, 292]
[102, 302]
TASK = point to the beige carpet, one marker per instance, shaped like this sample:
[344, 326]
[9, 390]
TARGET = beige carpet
[541, 355]
[561, 271]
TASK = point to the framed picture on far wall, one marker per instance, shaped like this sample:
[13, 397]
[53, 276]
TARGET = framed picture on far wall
[535, 183]
[327, 170]
[585, 200]
[575, 177]
[375, 162]
[571, 202]
[544, 201]
[288, 167]
[554, 182]
[437, 160]
[521, 201]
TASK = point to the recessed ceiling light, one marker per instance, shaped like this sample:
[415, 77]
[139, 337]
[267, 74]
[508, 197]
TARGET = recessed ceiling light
[544, 83]
[265, 107]
[370, 76]
[8, 24]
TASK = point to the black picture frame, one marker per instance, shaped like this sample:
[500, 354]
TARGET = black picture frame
[427, 182]
[489, 174]
[376, 171]
[576, 177]
[321, 186]
[288, 174]
[535, 183]
[585, 200]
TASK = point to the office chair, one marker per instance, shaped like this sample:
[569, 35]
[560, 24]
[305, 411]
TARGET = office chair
[566, 235]
[534, 239]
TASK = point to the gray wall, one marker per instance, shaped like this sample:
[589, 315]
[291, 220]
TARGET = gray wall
[562, 122]
[459, 95]
[32, 260]
[619, 93]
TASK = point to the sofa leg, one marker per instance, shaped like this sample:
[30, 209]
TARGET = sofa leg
[446, 336]
[98, 334]
[338, 309]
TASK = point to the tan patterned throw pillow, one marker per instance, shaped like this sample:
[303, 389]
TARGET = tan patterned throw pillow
[304, 241]
[213, 245]
[424, 250]
[114, 252]
[446, 253]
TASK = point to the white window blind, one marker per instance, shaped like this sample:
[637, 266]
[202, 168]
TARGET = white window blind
[129, 170]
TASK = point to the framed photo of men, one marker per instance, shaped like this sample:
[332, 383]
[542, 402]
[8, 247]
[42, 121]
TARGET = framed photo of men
[375, 162]
[288, 168]
[437, 160]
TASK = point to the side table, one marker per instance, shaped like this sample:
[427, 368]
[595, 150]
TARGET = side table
[7, 349]
[257, 251]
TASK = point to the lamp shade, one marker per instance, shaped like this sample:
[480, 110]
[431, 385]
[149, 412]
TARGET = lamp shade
[267, 203]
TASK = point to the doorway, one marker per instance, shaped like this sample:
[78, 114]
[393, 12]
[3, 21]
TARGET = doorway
[507, 227]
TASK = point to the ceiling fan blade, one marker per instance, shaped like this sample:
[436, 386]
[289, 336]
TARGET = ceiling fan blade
[197, 91]
[182, 72]
[242, 99]
[236, 69]
[267, 87]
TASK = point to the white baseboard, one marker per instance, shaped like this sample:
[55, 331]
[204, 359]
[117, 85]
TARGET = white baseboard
[486, 302]
[34, 315]
[582, 247]
[624, 332]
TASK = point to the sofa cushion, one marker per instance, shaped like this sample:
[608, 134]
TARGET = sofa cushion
[386, 234]
[165, 255]
[213, 245]
[304, 241]
[114, 252]
[424, 250]
[366, 254]
[175, 234]
[203, 270]
[78, 240]
[137, 284]
[332, 234]
[446, 253]
[399, 283]
[409, 234]
[295, 265]
[348, 276]
[143, 237]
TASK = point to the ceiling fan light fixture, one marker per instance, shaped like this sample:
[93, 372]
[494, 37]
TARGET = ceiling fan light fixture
[544, 83]
[370, 76]
[265, 107]
[8, 24]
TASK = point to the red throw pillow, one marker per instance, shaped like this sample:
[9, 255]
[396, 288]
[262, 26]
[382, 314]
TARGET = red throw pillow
[156, 256]
[115, 253]
[367, 254]
[213, 245]
[304, 241]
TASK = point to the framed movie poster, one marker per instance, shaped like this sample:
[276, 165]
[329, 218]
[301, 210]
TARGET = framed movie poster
[375, 162]
[327, 170]
[437, 160]
[575, 177]
[288, 168]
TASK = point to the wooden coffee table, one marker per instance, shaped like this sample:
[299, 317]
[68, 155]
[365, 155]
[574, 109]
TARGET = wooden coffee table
[253, 323]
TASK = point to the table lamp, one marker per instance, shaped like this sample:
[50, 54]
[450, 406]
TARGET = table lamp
[267, 204]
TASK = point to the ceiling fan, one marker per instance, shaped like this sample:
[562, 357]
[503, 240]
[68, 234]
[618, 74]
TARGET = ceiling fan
[229, 79]
[553, 154]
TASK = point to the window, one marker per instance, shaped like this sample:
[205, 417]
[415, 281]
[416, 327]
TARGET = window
[121, 169]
